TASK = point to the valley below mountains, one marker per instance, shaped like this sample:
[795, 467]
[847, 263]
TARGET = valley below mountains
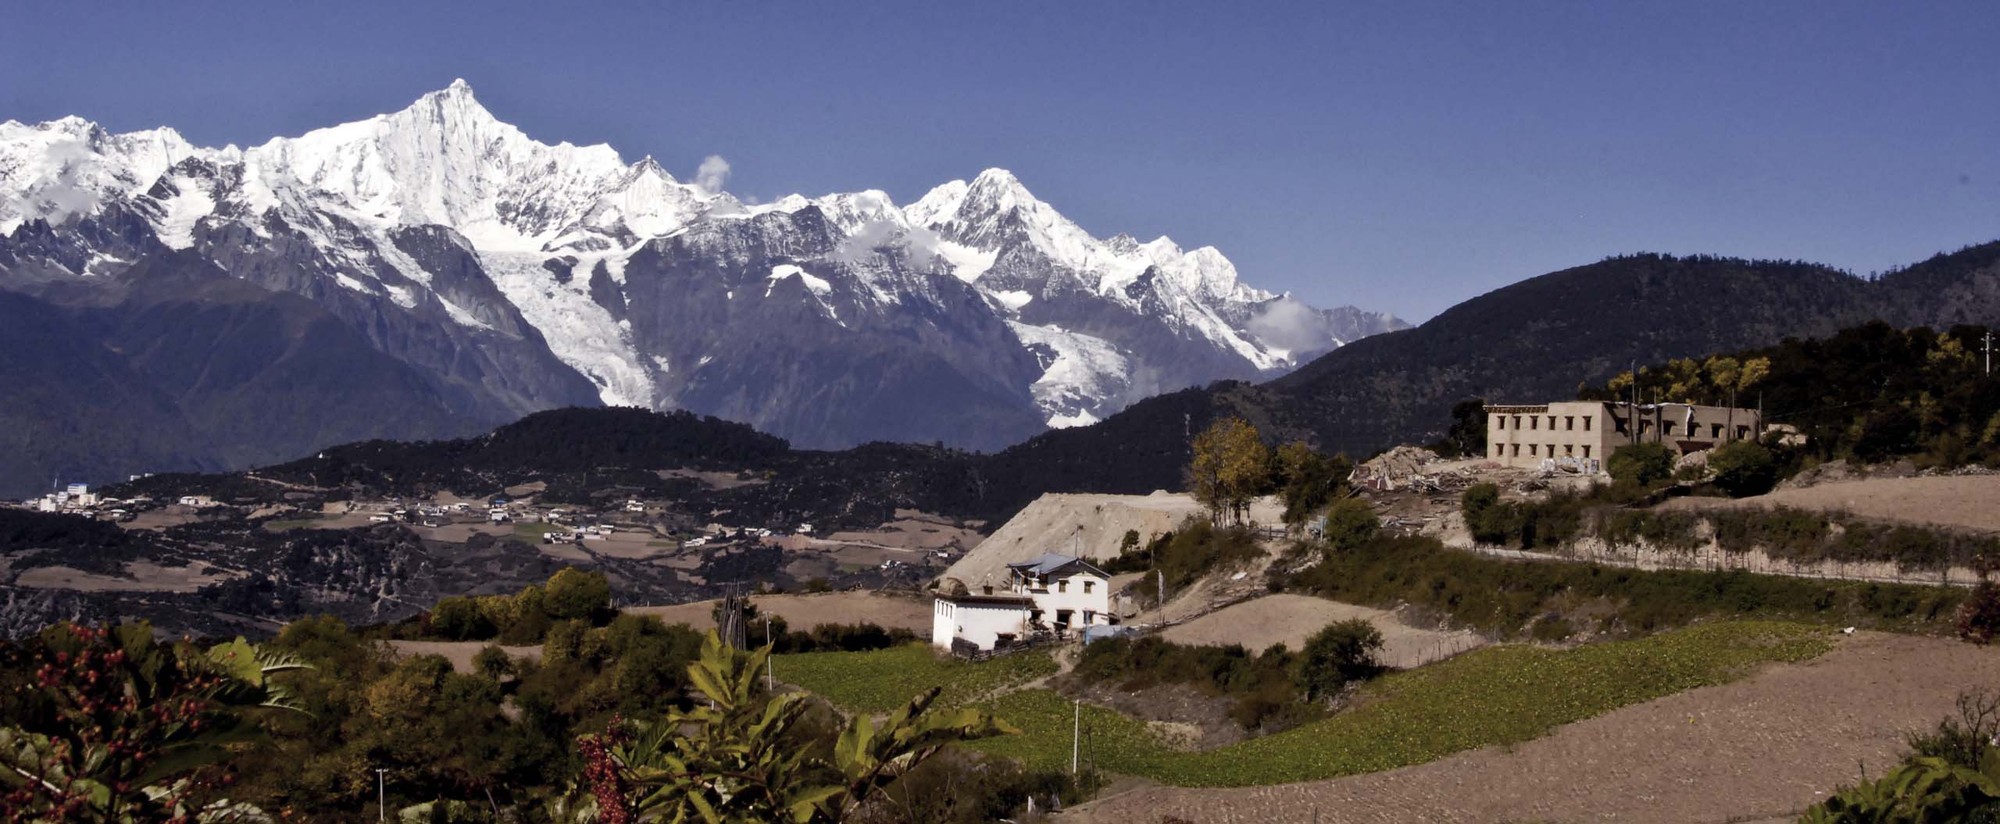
[435, 272]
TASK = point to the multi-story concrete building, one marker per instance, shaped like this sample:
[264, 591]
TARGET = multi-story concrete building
[1589, 431]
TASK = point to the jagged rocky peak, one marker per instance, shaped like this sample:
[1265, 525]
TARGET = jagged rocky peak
[971, 281]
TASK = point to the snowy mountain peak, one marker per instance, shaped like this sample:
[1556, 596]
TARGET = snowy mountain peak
[383, 211]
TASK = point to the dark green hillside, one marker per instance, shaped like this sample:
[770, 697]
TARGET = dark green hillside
[1546, 337]
[1541, 338]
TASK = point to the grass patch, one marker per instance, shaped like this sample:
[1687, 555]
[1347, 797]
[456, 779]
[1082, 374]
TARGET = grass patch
[883, 680]
[532, 533]
[1498, 695]
[291, 524]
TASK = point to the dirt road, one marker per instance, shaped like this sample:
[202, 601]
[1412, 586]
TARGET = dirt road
[1762, 748]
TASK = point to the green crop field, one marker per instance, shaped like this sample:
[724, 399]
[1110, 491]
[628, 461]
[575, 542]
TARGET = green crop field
[882, 680]
[1497, 695]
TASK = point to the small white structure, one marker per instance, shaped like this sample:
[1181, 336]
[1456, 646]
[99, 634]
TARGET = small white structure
[197, 501]
[498, 515]
[979, 621]
[1056, 592]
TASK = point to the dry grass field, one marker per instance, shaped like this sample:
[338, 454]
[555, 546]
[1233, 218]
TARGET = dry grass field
[1290, 619]
[1965, 502]
[808, 611]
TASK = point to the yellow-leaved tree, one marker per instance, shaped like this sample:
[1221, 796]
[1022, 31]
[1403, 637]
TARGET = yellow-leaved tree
[1231, 464]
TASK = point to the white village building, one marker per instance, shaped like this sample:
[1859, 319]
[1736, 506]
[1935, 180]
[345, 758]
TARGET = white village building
[1058, 593]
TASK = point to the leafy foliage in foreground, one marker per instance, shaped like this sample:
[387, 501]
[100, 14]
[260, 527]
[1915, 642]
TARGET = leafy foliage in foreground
[116, 727]
[1497, 695]
[738, 757]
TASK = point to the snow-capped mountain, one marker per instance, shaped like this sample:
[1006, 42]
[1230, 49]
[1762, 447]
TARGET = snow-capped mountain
[514, 275]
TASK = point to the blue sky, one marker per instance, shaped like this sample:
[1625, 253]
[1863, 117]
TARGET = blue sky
[1402, 156]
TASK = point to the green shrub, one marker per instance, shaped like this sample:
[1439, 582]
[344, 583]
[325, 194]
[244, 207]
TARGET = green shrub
[1646, 464]
[1666, 531]
[1187, 554]
[573, 593]
[1343, 652]
[459, 619]
[1780, 533]
[1350, 522]
[1743, 468]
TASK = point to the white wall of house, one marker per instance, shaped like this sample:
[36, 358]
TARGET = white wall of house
[980, 624]
[1086, 596]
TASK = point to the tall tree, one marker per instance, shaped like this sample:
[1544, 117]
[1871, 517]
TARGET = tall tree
[1230, 465]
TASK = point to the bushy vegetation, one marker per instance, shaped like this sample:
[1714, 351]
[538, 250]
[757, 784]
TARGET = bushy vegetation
[1743, 468]
[1644, 464]
[1343, 653]
[1503, 597]
[1492, 696]
[1262, 686]
[1184, 555]
[522, 618]
[1870, 393]
[1561, 519]
[1349, 523]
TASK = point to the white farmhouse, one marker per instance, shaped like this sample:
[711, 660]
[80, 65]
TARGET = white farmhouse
[980, 621]
[1056, 592]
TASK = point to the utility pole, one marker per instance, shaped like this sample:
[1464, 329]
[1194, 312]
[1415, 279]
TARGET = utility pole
[1989, 353]
[770, 679]
[381, 796]
[1076, 738]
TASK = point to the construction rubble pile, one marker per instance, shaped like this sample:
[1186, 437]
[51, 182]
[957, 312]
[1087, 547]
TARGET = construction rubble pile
[1410, 468]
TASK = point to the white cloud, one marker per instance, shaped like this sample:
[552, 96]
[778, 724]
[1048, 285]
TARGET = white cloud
[714, 172]
[1291, 325]
[920, 244]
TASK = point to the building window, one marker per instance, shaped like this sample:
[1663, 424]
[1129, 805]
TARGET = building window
[1499, 421]
[1552, 423]
[1552, 450]
[1517, 422]
[1670, 427]
[1086, 586]
[1062, 586]
[1532, 448]
[1569, 449]
[1499, 450]
[1569, 422]
[1534, 421]
[1742, 433]
[1586, 448]
[1517, 450]
[1586, 423]
[1715, 431]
